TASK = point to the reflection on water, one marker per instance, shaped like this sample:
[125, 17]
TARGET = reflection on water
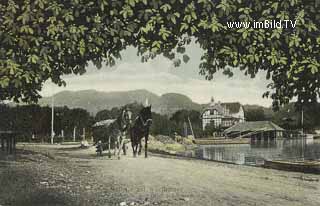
[257, 151]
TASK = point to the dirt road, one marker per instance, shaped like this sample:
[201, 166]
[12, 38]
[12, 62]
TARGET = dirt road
[63, 175]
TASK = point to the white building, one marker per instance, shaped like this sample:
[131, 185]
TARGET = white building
[222, 115]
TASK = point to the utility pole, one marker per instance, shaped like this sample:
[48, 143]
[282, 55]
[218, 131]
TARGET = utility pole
[302, 135]
[52, 118]
[302, 121]
[191, 128]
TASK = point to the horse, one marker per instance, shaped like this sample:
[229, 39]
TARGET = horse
[139, 129]
[124, 122]
[117, 130]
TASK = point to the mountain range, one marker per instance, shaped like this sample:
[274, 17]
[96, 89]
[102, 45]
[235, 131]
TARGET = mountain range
[95, 101]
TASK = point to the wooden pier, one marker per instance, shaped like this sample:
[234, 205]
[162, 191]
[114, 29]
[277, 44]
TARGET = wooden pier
[217, 141]
[8, 142]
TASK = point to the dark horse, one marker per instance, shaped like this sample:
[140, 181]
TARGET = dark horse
[140, 129]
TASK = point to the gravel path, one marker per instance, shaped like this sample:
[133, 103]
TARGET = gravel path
[65, 175]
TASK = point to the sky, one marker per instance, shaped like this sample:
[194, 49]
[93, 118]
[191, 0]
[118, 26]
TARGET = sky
[160, 76]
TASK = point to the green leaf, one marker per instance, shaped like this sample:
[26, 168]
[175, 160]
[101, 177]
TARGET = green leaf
[132, 3]
[186, 58]
[165, 7]
[173, 19]
[313, 68]
[82, 48]
[193, 14]
[245, 34]
[181, 49]
[184, 27]
[4, 82]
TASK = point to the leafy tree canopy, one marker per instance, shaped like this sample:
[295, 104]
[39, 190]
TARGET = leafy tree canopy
[44, 39]
[256, 114]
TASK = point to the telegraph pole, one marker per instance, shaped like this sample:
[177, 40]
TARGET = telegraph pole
[302, 131]
[302, 120]
[52, 117]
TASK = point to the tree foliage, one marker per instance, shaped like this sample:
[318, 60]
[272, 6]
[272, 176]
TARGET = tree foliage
[290, 117]
[182, 117]
[34, 120]
[255, 114]
[161, 125]
[212, 130]
[44, 39]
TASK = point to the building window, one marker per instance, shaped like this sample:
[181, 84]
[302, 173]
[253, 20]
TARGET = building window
[227, 123]
[213, 112]
[217, 122]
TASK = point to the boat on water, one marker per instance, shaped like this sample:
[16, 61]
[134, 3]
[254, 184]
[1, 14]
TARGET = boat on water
[305, 166]
[217, 141]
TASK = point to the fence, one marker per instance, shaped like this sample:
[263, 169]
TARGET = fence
[8, 142]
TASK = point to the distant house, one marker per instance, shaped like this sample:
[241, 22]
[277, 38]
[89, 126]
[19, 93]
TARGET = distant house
[222, 115]
[255, 129]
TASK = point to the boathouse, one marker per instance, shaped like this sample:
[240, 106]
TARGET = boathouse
[255, 130]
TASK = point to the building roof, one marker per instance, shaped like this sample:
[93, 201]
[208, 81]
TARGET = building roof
[106, 123]
[232, 107]
[217, 107]
[254, 126]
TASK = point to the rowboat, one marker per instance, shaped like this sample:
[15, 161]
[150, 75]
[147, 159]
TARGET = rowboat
[306, 166]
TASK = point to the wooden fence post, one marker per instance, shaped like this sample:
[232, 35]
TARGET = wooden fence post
[10, 144]
[14, 144]
[7, 143]
[2, 143]
[74, 133]
[62, 135]
[109, 140]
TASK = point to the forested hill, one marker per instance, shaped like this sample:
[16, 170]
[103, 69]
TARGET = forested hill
[94, 101]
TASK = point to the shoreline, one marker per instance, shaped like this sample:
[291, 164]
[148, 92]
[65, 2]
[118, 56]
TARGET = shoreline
[76, 176]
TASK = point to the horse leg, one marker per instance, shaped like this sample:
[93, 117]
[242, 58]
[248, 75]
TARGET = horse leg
[140, 147]
[120, 146]
[137, 151]
[116, 146]
[133, 148]
[131, 135]
[146, 146]
[124, 148]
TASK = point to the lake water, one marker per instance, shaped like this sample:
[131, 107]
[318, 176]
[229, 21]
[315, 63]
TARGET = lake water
[256, 152]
